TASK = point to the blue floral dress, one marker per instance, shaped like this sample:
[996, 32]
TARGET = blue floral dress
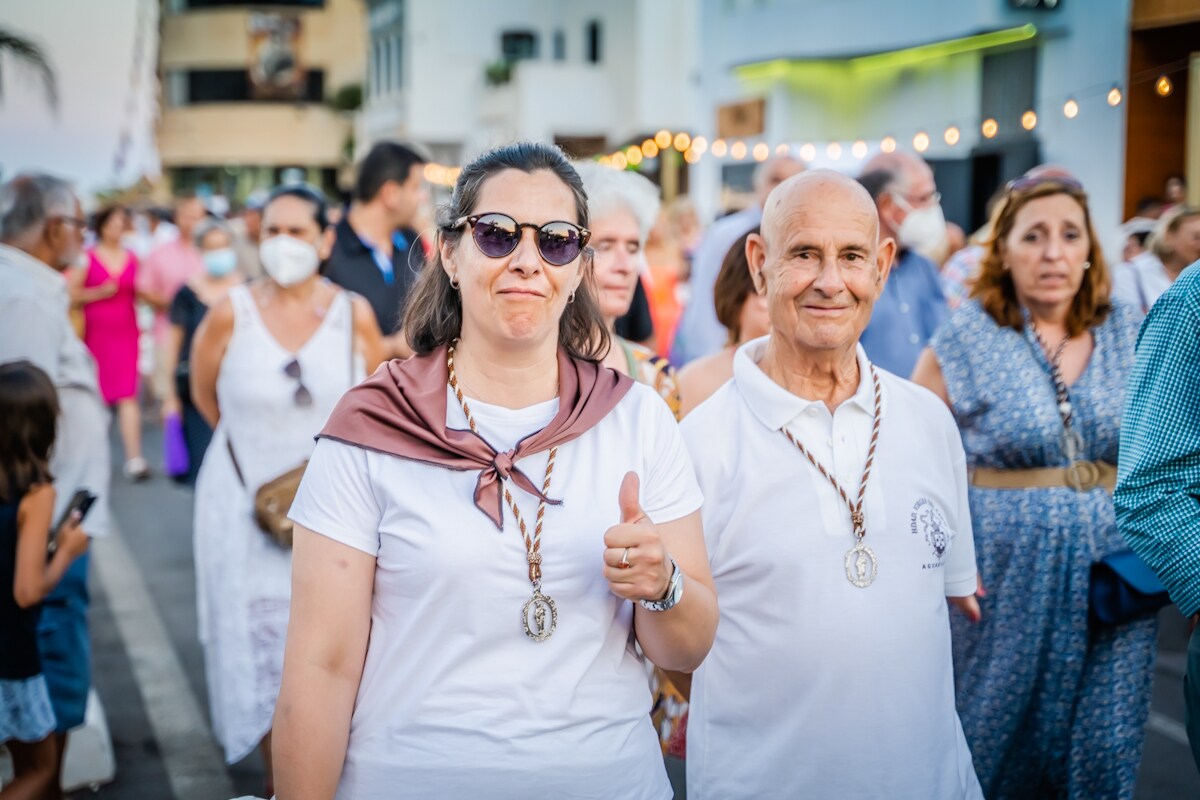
[1052, 705]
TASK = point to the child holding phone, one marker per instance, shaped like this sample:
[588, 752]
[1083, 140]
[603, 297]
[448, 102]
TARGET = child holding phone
[28, 416]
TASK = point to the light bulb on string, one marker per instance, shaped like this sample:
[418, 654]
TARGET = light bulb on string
[634, 156]
[859, 149]
[921, 142]
[833, 151]
[952, 135]
[738, 150]
[1071, 109]
[808, 152]
[1163, 86]
[619, 161]
[1029, 120]
[783, 149]
[650, 148]
[699, 144]
[682, 141]
[761, 151]
[888, 144]
[719, 148]
[989, 128]
[691, 155]
[663, 139]
[1114, 96]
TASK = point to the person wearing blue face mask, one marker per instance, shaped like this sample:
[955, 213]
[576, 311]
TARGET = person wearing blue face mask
[214, 239]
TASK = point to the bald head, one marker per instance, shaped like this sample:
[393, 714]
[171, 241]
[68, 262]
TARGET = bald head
[824, 188]
[772, 172]
[820, 262]
[906, 169]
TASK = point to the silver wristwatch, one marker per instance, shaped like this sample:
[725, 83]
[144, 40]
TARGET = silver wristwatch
[674, 592]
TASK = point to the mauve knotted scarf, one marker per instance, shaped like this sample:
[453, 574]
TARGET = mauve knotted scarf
[401, 411]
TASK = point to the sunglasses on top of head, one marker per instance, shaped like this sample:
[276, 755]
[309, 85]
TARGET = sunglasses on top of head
[497, 235]
[1026, 183]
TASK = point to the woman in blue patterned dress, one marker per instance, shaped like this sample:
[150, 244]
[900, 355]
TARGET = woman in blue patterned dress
[1034, 368]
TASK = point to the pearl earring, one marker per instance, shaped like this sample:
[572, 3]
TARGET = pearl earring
[1087, 265]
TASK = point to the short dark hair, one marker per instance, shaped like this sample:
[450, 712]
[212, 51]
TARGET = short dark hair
[876, 182]
[102, 216]
[733, 285]
[28, 422]
[386, 161]
[308, 193]
[433, 311]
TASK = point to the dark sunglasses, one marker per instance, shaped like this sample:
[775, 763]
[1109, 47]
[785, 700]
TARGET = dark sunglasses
[303, 397]
[1023, 184]
[497, 235]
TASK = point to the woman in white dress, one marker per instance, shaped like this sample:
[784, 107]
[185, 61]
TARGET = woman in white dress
[486, 530]
[269, 362]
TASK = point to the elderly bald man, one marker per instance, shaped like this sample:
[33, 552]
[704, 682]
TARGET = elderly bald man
[699, 332]
[837, 524]
[913, 304]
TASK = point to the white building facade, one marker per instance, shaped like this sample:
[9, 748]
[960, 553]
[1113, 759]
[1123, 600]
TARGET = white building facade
[849, 71]
[459, 76]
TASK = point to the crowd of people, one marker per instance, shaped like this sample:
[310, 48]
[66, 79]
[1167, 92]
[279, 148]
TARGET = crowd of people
[806, 504]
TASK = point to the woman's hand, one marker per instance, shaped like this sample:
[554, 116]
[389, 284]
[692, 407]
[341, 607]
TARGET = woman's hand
[636, 563]
[969, 605]
[71, 539]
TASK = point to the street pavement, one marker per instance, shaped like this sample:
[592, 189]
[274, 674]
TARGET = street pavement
[149, 670]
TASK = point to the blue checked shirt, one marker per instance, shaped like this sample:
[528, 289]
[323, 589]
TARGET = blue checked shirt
[1158, 480]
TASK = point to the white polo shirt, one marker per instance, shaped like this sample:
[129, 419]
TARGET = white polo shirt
[815, 688]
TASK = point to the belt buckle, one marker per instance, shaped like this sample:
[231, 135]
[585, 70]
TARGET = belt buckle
[1082, 476]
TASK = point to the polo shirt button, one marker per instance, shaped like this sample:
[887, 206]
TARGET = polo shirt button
[904, 308]
[912, 337]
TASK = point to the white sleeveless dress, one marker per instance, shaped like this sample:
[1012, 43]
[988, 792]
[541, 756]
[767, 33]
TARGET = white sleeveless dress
[243, 580]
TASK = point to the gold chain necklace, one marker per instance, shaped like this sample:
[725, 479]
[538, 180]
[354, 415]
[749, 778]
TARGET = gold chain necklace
[862, 566]
[539, 615]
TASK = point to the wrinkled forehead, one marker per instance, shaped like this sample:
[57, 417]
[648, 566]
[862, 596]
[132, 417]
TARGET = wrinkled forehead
[823, 215]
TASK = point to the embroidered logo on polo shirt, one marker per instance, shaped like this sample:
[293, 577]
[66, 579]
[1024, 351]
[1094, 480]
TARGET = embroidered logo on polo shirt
[928, 522]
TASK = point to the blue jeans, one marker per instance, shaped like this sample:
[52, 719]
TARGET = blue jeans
[65, 647]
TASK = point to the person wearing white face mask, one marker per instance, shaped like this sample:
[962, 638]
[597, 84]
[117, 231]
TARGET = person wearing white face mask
[191, 303]
[268, 364]
[912, 305]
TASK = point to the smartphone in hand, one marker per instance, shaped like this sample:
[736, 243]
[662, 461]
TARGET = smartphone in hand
[81, 501]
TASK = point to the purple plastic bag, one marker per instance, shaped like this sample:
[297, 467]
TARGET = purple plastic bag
[175, 452]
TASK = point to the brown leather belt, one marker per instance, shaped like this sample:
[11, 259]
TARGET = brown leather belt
[1082, 476]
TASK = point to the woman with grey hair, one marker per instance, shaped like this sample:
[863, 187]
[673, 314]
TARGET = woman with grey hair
[214, 239]
[623, 208]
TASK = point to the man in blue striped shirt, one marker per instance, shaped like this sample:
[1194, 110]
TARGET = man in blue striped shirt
[1158, 481]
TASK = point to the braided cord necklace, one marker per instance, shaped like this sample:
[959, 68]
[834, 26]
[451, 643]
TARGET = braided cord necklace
[539, 616]
[862, 566]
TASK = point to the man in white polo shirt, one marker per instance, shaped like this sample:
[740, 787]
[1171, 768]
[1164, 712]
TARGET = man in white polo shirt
[837, 524]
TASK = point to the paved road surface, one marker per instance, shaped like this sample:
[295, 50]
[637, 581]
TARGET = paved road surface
[149, 668]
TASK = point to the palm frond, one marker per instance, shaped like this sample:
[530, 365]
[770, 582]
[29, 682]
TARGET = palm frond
[30, 55]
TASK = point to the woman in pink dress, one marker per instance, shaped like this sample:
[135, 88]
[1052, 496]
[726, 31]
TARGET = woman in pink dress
[106, 292]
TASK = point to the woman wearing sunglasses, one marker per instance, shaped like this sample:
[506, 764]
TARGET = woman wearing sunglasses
[485, 529]
[268, 364]
[1034, 367]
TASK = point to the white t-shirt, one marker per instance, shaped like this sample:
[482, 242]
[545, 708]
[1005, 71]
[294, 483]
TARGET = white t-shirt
[455, 699]
[1140, 281]
[814, 687]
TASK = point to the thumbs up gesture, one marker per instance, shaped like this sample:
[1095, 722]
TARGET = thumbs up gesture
[636, 564]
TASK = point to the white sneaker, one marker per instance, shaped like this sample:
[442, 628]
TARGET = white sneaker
[137, 469]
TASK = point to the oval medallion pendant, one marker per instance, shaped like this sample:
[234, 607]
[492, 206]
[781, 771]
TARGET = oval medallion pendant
[539, 616]
[861, 565]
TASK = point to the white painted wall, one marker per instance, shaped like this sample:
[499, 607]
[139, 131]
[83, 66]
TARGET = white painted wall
[1083, 46]
[646, 80]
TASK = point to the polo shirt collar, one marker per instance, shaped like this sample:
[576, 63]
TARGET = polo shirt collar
[42, 275]
[775, 406]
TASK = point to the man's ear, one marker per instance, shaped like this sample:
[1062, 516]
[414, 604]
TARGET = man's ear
[756, 257]
[885, 257]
